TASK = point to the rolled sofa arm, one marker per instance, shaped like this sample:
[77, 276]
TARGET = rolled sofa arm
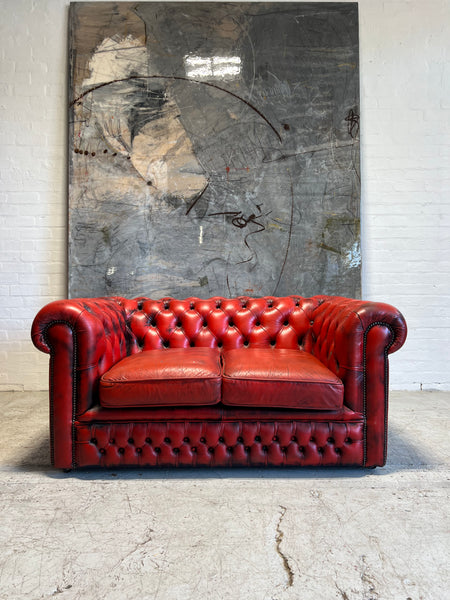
[340, 331]
[353, 338]
[84, 338]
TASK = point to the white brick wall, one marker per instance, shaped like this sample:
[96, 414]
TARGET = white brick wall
[405, 106]
[405, 178]
[32, 178]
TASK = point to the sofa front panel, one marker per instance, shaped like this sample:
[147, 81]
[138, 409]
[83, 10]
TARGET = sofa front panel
[219, 444]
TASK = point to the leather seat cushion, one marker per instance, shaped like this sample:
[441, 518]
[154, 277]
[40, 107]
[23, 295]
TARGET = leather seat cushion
[171, 377]
[267, 377]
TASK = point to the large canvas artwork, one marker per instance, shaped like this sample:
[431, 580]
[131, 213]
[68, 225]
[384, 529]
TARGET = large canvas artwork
[214, 149]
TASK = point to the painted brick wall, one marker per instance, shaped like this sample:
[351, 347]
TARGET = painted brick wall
[32, 179]
[405, 106]
[405, 53]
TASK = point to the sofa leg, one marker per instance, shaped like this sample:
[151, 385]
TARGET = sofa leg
[67, 470]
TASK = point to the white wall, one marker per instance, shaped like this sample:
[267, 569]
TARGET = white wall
[405, 106]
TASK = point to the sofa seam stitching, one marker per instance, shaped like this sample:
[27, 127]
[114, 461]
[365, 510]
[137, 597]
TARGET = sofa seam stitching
[386, 387]
[74, 385]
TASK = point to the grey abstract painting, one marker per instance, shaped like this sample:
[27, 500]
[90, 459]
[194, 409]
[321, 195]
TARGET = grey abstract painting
[214, 149]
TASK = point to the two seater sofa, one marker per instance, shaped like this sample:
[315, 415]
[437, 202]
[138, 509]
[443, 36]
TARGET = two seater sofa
[218, 382]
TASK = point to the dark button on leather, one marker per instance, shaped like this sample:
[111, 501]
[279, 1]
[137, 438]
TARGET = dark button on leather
[240, 439]
[294, 438]
[130, 441]
[93, 441]
[320, 450]
[203, 440]
[258, 324]
[230, 449]
[283, 449]
[176, 450]
[338, 451]
[286, 323]
[148, 440]
[301, 449]
[247, 448]
[348, 441]
[257, 438]
[194, 449]
[221, 440]
[330, 440]
[112, 441]
[102, 451]
[158, 450]
[139, 450]
[246, 343]
[121, 451]
[186, 440]
[272, 343]
[265, 448]
[275, 438]
[312, 440]
[167, 440]
[211, 450]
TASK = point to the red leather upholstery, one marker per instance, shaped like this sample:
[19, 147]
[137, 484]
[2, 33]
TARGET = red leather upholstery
[86, 337]
[279, 378]
[178, 376]
[216, 412]
[93, 334]
[220, 444]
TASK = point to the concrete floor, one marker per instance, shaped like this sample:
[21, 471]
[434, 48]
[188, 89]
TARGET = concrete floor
[234, 535]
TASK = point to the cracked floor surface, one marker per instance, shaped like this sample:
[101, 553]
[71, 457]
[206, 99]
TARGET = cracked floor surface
[262, 534]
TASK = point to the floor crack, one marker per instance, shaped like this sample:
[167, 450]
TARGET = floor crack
[278, 539]
[137, 547]
[368, 580]
[343, 594]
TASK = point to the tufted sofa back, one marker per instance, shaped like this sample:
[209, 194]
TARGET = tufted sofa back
[319, 325]
[224, 323]
[87, 336]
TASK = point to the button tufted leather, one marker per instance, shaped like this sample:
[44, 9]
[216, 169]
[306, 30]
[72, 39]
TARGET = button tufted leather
[219, 321]
[255, 443]
[87, 337]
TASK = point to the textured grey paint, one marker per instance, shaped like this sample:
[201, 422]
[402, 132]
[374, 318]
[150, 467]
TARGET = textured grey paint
[214, 149]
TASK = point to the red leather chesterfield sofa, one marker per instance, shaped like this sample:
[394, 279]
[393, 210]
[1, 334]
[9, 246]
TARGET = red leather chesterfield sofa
[218, 382]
